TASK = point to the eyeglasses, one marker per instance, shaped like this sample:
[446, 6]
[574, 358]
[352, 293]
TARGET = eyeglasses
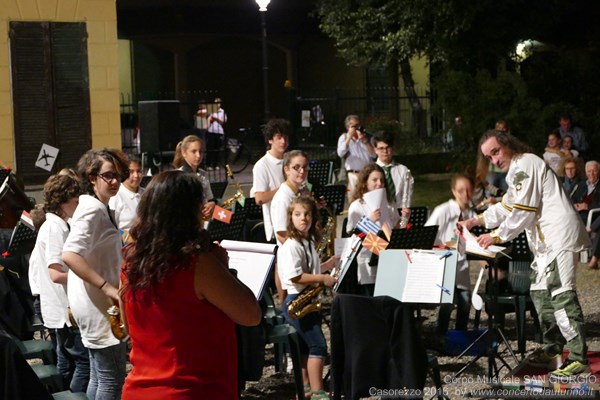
[386, 148]
[299, 167]
[110, 176]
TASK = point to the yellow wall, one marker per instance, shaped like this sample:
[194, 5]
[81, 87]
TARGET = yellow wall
[100, 17]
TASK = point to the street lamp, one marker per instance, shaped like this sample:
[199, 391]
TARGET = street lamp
[262, 7]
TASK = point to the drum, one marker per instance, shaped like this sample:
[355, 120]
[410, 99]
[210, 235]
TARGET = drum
[13, 200]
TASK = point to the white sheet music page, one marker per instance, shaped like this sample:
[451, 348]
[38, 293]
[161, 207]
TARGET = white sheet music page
[252, 261]
[424, 278]
[474, 248]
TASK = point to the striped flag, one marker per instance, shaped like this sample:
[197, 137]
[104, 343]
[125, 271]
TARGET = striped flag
[367, 226]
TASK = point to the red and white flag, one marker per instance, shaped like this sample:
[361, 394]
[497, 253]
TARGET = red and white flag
[221, 214]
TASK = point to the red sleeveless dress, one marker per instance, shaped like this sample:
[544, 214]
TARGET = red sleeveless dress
[182, 347]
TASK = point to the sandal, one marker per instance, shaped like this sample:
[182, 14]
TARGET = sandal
[307, 391]
[319, 395]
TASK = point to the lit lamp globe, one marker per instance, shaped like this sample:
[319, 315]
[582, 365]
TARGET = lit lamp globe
[262, 5]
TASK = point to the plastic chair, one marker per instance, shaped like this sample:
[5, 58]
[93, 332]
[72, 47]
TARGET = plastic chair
[50, 377]
[516, 293]
[36, 349]
[283, 335]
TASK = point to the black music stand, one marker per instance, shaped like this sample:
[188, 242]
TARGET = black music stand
[493, 334]
[320, 172]
[253, 210]
[22, 240]
[417, 237]
[233, 231]
[334, 195]
[4, 177]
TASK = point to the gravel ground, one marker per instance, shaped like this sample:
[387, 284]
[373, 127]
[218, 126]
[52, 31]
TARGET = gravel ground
[280, 386]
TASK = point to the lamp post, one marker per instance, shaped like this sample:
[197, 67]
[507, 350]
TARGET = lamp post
[262, 7]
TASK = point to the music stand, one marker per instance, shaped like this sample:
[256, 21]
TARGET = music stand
[493, 333]
[253, 210]
[417, 237]
[4, 179]
[218, 189]
[233, 231]
[334, 195]
[320, 172]
[22, 240]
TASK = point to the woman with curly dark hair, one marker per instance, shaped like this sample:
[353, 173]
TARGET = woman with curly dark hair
[180, 300]
[92, 252]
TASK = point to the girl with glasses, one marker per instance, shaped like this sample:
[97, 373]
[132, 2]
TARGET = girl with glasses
[92, 251]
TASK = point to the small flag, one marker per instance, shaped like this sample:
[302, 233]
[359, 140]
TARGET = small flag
[366, 225]
[386, 231]
[374, 243]
[223, 215]
[309, 187]
[47, 157]
[26, 220]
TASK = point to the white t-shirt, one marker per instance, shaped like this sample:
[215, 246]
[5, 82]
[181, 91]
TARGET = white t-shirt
[216, 127]
[48, 250]
[94, 237]
[124, 205]
[553, 160]
[279, 206]
[294, 259]
[446, 216]
[267, 175]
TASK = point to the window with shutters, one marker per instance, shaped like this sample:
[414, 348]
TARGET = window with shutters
[51, 99]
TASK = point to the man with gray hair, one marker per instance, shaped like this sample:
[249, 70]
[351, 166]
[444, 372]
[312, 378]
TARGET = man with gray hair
[535, 202]
[587, 195]
[356, 150]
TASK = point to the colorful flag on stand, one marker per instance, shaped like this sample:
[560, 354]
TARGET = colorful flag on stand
[374, 243]
[367, 226]
[223, 215]
[386, 231]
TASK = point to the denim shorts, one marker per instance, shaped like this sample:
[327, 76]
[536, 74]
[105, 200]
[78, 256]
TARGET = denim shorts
[312, 340]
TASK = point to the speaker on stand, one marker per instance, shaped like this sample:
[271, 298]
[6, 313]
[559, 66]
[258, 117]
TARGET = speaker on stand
[159, 123]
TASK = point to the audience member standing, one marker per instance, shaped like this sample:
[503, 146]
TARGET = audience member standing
[92, 252]
[566, 127]
[553, 154]
[125, 203]
[180, 301]
[61, 196]
[356, 151]
[215, 135]
[398, 179]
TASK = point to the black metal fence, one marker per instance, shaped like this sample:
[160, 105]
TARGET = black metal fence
[317, 118]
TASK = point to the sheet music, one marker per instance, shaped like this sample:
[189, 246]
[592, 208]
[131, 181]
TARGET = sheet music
[252, 261]
[339, 245]
[474, 248]
[424, 278]
[351, 249]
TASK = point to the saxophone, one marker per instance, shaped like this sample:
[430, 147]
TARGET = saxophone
[324, 246]
[228, 204]
[306, 302]
[116, 326]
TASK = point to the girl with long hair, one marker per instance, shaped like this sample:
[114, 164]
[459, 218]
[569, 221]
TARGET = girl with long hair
[92, 252]
[298, 267]
[179, 299]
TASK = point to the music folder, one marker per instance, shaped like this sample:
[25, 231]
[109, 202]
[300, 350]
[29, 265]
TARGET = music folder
[417, 276]
[252, 261]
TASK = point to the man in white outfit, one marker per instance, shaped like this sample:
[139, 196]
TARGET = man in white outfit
[536, 202]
